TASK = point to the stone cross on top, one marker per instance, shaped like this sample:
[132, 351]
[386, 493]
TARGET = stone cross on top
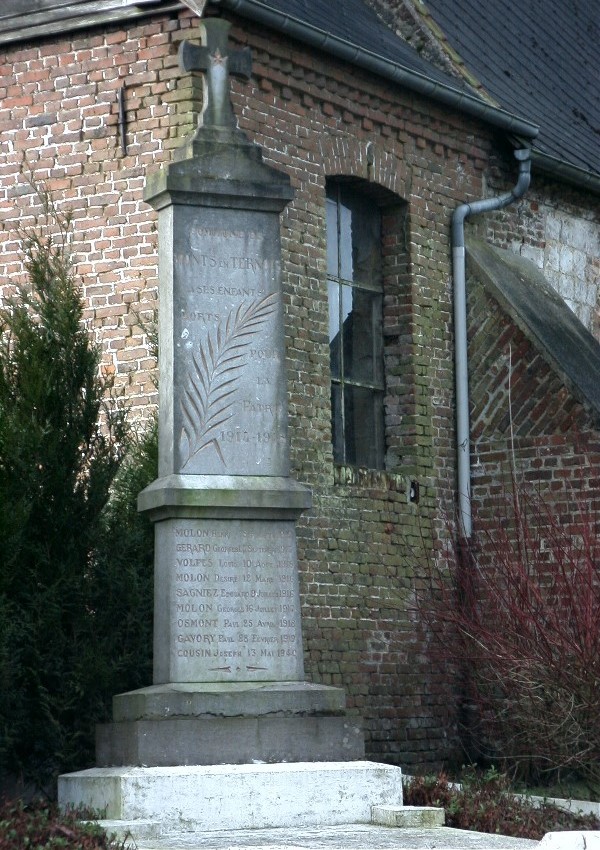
[218, 62]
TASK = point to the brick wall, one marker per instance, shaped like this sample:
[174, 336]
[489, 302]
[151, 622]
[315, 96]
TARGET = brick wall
[524, 415]
[59, 127]
[557, 227]
[361, 545]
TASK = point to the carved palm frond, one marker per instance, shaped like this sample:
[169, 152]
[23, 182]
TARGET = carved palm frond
[208, 399]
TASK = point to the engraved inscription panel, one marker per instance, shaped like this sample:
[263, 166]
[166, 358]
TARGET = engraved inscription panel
[229, 411]
[234, 604]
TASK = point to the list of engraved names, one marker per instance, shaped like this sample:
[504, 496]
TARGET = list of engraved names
[235, 599]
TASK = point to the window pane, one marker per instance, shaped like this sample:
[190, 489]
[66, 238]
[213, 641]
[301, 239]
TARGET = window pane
[362, 334]
[363, 422]
[332, 238]
[355, 293]
[335, 340]
[366, 244]
[337, 425]
[345, 236]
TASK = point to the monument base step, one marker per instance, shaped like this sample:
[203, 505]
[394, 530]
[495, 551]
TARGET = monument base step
[408, 817]
[229, 723]
[228, 740]
[248, 796]
[228, 699]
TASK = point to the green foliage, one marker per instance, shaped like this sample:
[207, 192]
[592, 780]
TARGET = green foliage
[121, 578]
[485, 803]
[69, 614]
[43, 827]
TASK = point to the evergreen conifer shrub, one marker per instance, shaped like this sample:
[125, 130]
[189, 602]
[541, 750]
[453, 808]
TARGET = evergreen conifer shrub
[71, 617]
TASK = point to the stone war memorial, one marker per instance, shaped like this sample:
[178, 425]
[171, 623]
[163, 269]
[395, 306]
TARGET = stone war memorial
[229, 717]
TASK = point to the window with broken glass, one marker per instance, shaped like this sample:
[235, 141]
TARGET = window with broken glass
[355, 288]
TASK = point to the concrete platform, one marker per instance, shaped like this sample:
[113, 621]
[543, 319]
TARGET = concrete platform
[228, 699]
[247, 796]
[342, 837]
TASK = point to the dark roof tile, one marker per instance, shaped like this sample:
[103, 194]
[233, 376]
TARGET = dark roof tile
[539, 58]
[356, 22]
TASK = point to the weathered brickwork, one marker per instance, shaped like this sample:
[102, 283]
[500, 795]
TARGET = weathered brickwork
[315, 118]
[59, 127]
[357, 544]
[558, 229]
[526, 418]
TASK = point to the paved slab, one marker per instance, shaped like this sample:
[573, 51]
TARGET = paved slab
[349, 837]
[571, 841]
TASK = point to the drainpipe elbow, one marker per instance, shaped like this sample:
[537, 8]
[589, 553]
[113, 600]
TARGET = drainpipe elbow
[524, 178]
[458, 225]
[523, 155]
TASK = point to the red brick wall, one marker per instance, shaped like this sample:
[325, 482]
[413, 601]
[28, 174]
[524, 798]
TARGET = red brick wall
[359, 545]
[525, 417]
[59, 127]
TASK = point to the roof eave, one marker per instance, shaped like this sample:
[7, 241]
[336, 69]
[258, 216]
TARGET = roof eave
[397, 73]
[513, 125]
[101, 13]
[552, 166]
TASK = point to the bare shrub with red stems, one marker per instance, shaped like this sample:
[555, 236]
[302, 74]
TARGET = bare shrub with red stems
[518, 615]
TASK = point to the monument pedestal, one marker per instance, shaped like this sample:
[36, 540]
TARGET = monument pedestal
[237, 723]
[228, 650]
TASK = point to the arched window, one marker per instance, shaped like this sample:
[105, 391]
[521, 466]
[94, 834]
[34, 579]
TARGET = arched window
[355, 288]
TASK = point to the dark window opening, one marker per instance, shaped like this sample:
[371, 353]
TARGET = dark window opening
[355, 288]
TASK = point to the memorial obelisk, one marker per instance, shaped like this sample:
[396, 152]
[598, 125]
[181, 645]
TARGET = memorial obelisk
[228, 665]
[229, 735]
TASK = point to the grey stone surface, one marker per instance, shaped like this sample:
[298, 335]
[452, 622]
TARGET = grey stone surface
[583, 807]
[209, 740]
[224, 497]
[217, 60]
[226, 602]
[224, 409]
[409, 817]
[229, 699]
[229, 723]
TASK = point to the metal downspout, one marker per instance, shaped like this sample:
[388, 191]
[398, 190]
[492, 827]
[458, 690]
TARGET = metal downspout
[463, 431]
